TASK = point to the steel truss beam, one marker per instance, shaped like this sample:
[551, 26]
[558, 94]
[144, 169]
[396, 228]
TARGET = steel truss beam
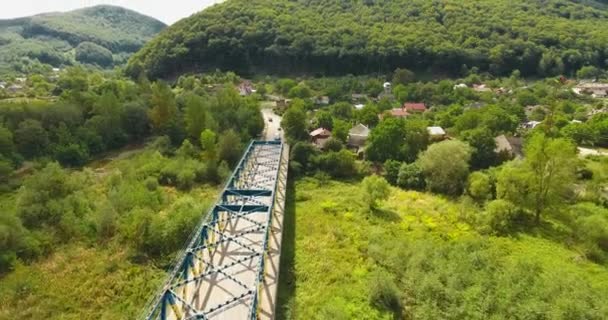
[249, 192]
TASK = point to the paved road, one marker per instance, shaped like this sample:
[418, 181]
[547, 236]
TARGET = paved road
[273, 124]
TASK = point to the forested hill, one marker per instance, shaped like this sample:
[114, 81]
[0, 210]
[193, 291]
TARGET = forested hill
[537, 37]
[101, 35]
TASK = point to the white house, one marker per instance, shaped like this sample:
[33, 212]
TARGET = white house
[357, 136]
[436, 132]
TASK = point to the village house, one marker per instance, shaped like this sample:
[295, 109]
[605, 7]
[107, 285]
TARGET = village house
[481, 88]
[460, 86]
[283, 103]
[14, 88]
[398, 113]
[357, 97]
[319, 137]
[436, 133]
[359, 106]
[508, 147]
[245, 88]
[388, 87]
[357, 136]
[2, 85]
[414, 107]
[530, 124]
[322, 100]
[596, 90]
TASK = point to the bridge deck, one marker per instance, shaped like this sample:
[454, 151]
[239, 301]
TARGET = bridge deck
[230, 269]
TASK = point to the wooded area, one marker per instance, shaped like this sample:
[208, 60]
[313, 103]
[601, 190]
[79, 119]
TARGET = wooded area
[541, 38]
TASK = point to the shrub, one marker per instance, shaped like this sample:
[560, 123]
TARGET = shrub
[479, 186]
[376, 188]
[499, 216]
[383, 292]
[151, 183]
[411, 177]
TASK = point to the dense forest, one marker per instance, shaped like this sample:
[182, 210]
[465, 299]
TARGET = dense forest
[339, 37]
[101, 35]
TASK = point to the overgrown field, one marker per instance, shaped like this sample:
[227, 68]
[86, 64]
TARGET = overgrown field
[415, 258]
[113, 260]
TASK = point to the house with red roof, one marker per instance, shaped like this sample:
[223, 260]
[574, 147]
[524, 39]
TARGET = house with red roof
[414, 107]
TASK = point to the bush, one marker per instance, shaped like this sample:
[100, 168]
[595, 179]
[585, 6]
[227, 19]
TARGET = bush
[411, 177]
[338, 164]
[151, 183]
[376, 188]
[384, 293]
[479, 186]
[499, 216]
[185, 179]
[391, 171]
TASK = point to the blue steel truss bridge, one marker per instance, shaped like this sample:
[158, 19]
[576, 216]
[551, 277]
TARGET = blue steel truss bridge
[229, 269]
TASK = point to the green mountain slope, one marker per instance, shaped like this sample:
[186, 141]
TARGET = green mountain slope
[543, 37]
[102, 35]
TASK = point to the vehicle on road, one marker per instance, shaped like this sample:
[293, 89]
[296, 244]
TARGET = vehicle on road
[270, 120]
[277, 137]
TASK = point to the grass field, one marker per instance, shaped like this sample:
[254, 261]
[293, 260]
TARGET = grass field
[89, 279]
[337, 255]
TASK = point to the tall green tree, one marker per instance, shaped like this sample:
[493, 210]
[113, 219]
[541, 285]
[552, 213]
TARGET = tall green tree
[543, 179]
[294, 124]
[446, 166]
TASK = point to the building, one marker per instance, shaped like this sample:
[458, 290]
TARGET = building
[436, 133]
[357, 136]
[388, 87]
[319, 137]
[358, 97]
[14, 88]
[481, 88]
[414, 107]
[508, 147]
[530, 124]
[322, 100]
[398, 113]
[245, 88]
[359, 106]
[2, 85]
[460, 86]
[596, 90]
[283, 103]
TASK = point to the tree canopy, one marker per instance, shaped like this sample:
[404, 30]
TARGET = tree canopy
[339, 37]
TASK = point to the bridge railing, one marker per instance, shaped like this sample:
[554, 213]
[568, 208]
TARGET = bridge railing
[158, 301]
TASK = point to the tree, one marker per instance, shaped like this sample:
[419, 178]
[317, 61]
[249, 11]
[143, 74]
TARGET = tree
[499, 216]
[88, 52]
[588, 72]
[7, 147]
[341, 129]
[208, 140]
[483, 147]
[446, 166]
[411, 177]
[342, 110]
[229, 147]
[339, 164]
[376, 189]
[163, 108]
[391, 169]
[387, 141]
[325, 120]
[479, 186]
[31, 138]
[543, 179]
[294, 124]
[403, 76]
[195, 115]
